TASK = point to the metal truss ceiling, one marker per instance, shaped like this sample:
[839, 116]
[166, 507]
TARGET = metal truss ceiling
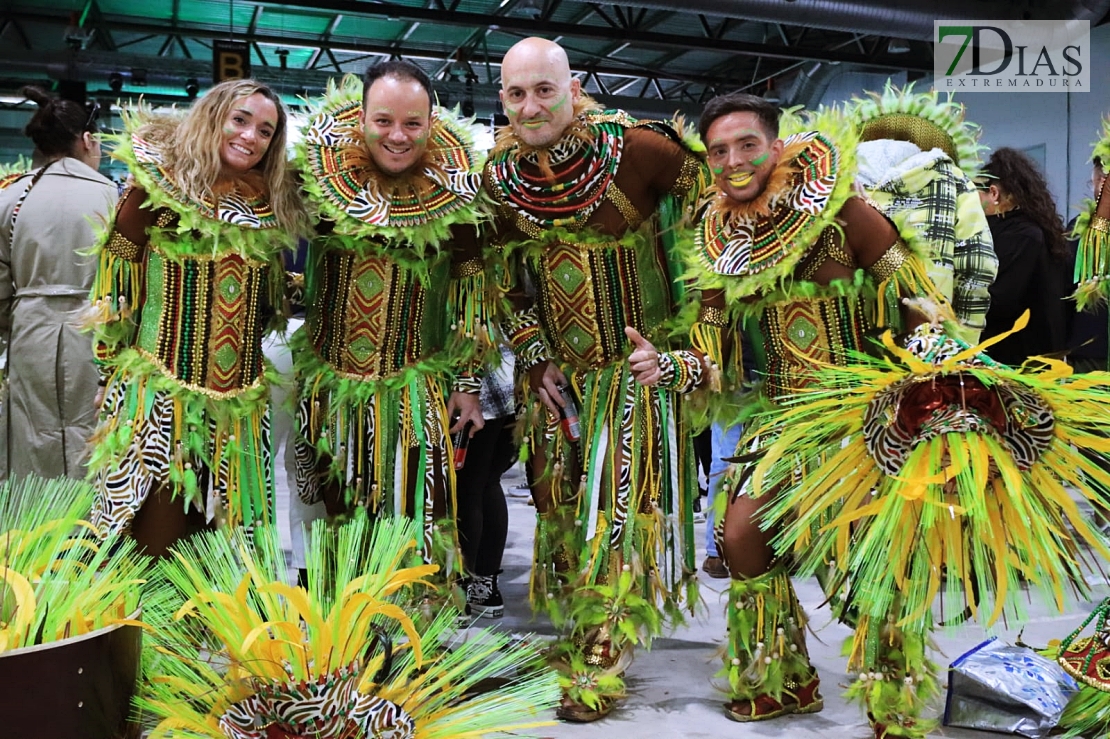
[658, 58]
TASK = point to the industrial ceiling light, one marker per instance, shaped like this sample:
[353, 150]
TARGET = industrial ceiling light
[192, 87]
[771, 95]
[115, 81]
[898, 46]
[528, 8]
[138, 76]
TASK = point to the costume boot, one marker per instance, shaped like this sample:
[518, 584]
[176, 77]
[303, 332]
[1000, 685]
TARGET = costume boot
[895, 680]
[591, 672]
[767, 663]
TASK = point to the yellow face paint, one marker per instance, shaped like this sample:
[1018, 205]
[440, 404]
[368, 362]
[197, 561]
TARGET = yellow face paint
[740, 179]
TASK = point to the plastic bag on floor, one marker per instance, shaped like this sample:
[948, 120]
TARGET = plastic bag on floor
[1013, 690]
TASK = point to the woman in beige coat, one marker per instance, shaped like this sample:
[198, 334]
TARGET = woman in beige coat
[48, 219]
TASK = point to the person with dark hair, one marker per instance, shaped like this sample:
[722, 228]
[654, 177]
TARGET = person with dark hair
[779, 251]
[48, 221]
[591, 209]
[483, 516]
[1033, 258]
[928, 466]
[190, 276]
[388, 362]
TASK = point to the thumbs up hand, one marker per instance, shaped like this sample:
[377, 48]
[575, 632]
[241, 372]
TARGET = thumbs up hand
[644, 360]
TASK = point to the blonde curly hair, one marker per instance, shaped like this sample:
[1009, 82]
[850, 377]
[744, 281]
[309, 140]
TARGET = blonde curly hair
[192, 153]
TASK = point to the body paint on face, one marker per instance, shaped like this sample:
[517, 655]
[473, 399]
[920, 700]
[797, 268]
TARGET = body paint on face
[718, 170]
[559, 103]
[761, 159]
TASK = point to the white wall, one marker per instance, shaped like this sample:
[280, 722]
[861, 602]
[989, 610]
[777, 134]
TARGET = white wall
[1066, 123]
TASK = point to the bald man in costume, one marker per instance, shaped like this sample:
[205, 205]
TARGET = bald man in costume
[590, 204]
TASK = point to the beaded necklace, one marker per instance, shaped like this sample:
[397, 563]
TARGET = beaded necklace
[583, 171]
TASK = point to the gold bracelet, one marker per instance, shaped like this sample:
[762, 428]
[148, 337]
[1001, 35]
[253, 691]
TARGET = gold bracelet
[712, 316]
[123, 247]
[469, 268]
[890, 262]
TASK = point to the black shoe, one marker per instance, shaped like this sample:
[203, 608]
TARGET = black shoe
[483, 599]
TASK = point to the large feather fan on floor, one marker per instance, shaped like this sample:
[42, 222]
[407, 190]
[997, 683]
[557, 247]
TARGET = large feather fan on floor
[243, 655]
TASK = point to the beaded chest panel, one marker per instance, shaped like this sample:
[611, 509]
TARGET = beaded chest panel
[202, 319]
[590, 291]
[800, 333]
[371, 317]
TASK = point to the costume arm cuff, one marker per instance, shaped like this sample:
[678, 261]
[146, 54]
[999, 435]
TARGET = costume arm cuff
[468, 383]
[523, 332]
[681, 370]
[900, 274]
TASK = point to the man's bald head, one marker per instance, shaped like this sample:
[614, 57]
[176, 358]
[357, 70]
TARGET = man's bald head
[534, 54]
[537, 91]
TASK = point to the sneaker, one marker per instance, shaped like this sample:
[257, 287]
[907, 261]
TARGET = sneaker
[483, 599]
[714, 567]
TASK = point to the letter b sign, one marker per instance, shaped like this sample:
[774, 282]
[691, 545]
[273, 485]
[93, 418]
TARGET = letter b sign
[230, 60]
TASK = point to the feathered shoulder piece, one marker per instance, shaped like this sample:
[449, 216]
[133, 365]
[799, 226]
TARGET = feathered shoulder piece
[345, 186]
[57, 579]
[1092, 228]
[923, 118]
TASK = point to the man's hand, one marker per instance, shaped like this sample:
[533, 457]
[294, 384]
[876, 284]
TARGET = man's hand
[463, 408]
[98, 399]
[546, 379]
[644, 360]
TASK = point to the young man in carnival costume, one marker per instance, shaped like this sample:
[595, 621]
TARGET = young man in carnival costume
[1087, 658]
[933, 467]
[190, 275]
[918, 158]
[240, 654]
[588, 207]
[395, 300]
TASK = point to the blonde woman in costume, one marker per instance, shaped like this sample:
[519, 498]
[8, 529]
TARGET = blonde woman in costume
[189, 278]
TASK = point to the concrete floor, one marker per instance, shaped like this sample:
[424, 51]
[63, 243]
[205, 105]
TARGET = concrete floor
[672, 690]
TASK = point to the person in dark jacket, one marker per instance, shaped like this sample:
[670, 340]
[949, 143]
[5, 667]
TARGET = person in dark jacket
[1032, 259]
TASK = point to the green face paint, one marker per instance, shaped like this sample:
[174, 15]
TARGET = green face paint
[718, 170]
[761, 159]
[229, 131]
[559, 103]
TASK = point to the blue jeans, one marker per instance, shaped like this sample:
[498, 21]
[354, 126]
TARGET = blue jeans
[724, 445]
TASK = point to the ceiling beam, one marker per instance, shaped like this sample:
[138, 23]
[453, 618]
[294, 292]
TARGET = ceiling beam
[313, 42]
[530, 26]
